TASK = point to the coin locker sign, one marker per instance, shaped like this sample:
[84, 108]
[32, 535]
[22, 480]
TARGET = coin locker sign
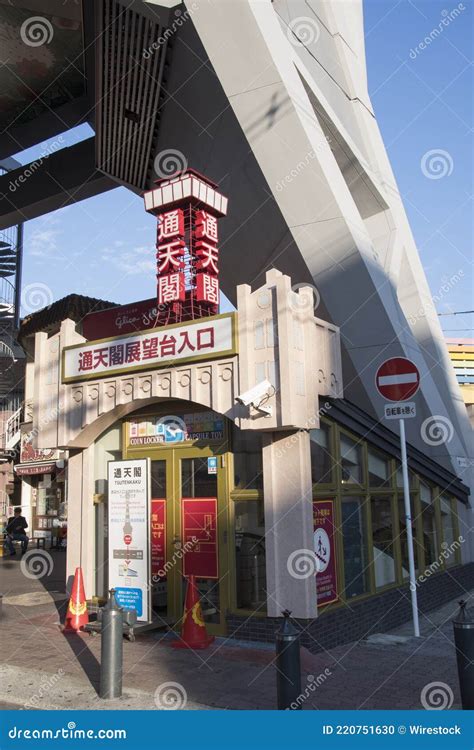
[129, 523]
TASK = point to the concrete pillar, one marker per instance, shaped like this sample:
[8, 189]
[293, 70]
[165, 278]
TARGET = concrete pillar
[81, 518]
[289, 524]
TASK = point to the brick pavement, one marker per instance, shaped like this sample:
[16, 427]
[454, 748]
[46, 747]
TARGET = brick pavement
[229, 674]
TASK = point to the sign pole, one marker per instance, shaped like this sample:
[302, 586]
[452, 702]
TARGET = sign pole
[408, 521]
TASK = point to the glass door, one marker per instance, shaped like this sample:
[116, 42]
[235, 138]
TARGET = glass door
[203, 532]
[188, 532]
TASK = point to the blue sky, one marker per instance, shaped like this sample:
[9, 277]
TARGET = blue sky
[104, 247]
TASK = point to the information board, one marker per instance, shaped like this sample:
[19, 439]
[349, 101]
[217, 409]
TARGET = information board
[129, 544]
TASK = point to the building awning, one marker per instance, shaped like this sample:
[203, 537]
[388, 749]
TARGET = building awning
[35, 467]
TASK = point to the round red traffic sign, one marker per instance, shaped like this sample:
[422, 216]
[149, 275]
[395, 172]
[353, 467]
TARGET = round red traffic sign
[398, 379]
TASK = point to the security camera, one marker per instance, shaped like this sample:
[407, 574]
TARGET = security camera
[256, 395]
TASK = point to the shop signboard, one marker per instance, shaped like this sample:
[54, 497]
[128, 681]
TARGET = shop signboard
[32, 469]
[325, 551]
[128, 539]
[200, 537]
[205, 338]
[28, 454]
[175, 428]
[158, 538]
[138, 316]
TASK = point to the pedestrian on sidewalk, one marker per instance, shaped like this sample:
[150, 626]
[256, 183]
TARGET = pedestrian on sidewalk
[16, 527]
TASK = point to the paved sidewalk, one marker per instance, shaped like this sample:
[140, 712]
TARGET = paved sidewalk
[41, 667]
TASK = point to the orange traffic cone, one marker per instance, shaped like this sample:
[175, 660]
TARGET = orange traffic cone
[76, 615]
[193, 634]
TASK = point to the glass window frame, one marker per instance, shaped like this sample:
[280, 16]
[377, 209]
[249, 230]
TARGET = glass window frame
[363, 447]
[240, 496]
[333, 445]
[392, 496]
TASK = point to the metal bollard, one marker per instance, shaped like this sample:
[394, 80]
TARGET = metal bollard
[463, 626]
[111, 649]
[288, 665]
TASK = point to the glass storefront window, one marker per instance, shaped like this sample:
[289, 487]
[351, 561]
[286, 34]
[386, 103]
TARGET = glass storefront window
[404, 538]
[411, 477]
[447, 525]
[351, 461]
[383, 541]
[50, 511]
[354, 537]
[248, 469]
[196, 480]
[250, 554]
[321, 457]
[428, 518]
[379, 471]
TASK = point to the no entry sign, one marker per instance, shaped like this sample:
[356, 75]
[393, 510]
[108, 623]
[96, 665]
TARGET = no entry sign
[397, 379]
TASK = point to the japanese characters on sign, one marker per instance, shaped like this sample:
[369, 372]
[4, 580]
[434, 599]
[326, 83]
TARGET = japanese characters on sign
[202, 339]
[404, 410]
[187, 208]
[158, 538]
[207, 282]
[325, 551]
[170, 257]
[128, 541]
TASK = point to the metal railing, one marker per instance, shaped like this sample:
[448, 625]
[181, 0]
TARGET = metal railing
[12, 429]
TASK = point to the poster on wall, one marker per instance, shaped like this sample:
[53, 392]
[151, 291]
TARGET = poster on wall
[200, 537]
[158, 538]
[129, 548]
[325, 551]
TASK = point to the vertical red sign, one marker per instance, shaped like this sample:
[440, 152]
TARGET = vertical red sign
[325, 551]
[200, 537]
[158, 537]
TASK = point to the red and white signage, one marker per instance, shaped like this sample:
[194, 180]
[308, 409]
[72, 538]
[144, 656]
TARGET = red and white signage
[398, 379]
[200, 537]
[200, 339]
[137, 316]
[325, 551]
[158, 538]
[187, 208]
